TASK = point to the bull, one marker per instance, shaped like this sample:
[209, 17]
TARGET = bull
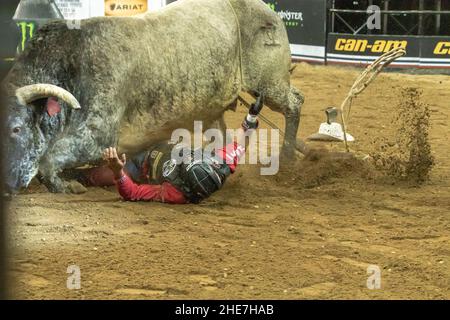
[131, 81]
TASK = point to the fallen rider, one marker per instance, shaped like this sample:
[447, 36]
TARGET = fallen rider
[154, 176]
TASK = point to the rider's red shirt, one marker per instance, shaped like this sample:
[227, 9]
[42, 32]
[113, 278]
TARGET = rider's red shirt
[166, 192]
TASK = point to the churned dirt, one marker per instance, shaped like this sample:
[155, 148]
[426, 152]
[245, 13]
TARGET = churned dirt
[309, 232]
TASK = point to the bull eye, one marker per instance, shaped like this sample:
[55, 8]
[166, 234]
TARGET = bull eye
[16, 130]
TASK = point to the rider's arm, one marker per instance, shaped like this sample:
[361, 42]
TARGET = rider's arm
[147, 192]
[231, 154]
[131, 191]
[233, 151]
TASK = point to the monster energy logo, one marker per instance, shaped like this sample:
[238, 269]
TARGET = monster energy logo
[290, 18]
[272, 6]
[27, 31]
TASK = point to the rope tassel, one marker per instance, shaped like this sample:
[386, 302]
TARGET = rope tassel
[363, 81]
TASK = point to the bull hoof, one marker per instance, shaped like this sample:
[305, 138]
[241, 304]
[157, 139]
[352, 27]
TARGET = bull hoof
[76, 187]
[287, 157]
[56, 185]
[57, 188]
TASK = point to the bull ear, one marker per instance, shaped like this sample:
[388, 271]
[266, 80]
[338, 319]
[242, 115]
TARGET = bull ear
[52, 107]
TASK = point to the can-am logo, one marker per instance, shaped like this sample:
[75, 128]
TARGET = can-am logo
[290, 18]
[125, 7]
[366, 46]
[442, 48]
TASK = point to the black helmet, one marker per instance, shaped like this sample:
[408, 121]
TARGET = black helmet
[203, 179]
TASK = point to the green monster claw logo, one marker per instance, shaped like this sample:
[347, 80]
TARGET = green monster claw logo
[27, 31]
[290, 18]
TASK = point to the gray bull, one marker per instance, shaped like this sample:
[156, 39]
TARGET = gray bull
[72, 91]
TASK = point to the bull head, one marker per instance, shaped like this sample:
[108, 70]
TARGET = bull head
[34, 118]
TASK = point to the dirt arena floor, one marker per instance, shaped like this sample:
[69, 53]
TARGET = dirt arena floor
[309, 232]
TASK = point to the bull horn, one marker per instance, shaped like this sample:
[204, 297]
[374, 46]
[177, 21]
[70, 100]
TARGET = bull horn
[33, 92]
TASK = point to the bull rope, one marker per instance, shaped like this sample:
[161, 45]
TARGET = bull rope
[240, 98]
[240, 44]
[363, 81]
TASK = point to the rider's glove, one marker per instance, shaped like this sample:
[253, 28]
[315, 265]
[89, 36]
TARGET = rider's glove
[256, 107]
[250, 123]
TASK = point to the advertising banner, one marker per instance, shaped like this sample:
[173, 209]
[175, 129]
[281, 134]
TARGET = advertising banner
[305, 23]
[435, 52]
[80, 9]
[83, 9]
[421, 51]
[21, 19]
[306, 26]
[125, 8]
[32, 14]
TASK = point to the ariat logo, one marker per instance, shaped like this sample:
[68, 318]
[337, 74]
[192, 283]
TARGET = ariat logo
[363, 45]
[124, 8]
[442, 48]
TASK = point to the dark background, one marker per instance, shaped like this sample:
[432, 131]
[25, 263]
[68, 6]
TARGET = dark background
[9, 37]
[9, 34]
[410, 21]
[312, 30]
[314, 22]
[3, 245]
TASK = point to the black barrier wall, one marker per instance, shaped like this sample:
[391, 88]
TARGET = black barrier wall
[9, 35]
[310, 41]
[305, 22]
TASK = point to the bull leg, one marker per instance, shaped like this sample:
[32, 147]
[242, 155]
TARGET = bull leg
[70, 152]
[287, 101]
[292, 119]
[220, 125]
